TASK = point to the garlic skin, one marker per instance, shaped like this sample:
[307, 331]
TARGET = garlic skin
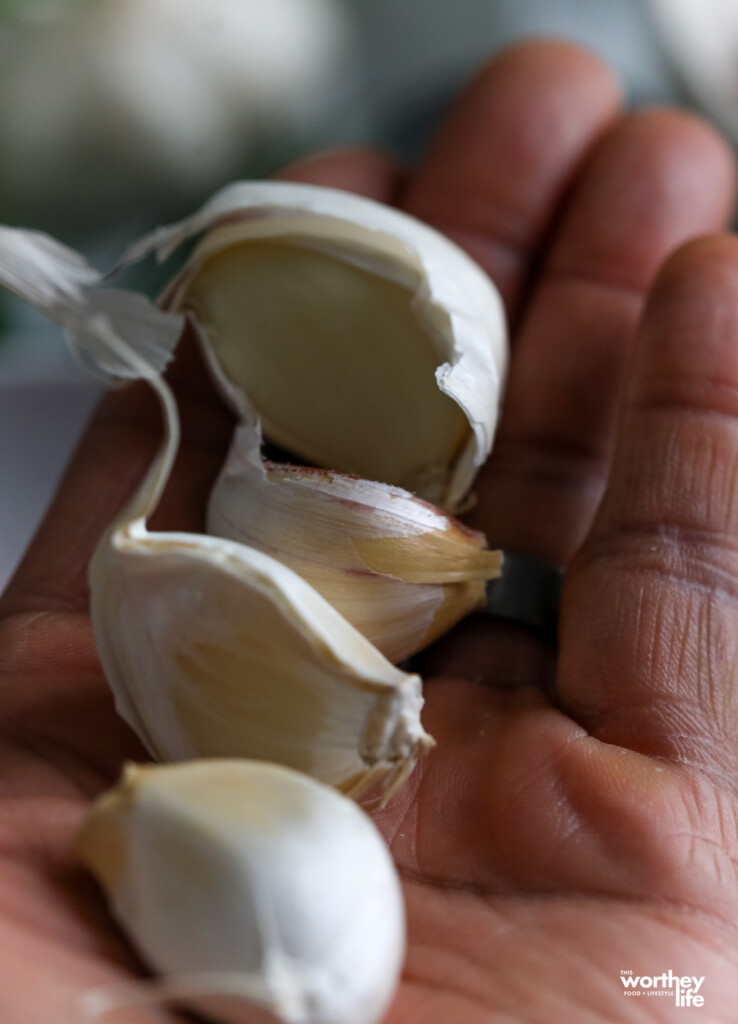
[61, 284]
[245, 883]
[398, 569]
[365, 341]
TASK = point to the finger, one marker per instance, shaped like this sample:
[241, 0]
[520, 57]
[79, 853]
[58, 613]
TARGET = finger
[657, 179]
[119, 444]
[649, 656]
[353, 169]
[509, 151]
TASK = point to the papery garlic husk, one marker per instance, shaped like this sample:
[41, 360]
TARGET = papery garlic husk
[246, 884]
[399, 570]
[365, 341]
[214, 649]
[61, 284]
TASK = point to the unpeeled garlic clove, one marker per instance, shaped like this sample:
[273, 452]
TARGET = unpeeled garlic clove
[247, 884]
[399, 570]
[365, 341]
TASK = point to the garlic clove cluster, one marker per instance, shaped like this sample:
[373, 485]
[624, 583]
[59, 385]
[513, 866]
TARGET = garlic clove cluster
[212, 648]
[245, 884]
[374, 349]
[215, 649]
[399, 570]
[366, 342]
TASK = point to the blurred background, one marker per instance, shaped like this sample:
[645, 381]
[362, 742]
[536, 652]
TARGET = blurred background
[118, 115]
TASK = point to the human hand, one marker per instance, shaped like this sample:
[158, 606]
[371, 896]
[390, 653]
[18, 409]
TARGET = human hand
[545, 847]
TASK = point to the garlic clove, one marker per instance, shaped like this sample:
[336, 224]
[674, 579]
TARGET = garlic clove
[399, 570]
[216, 649]
[365, 341]
[213, 650]
[253, 884]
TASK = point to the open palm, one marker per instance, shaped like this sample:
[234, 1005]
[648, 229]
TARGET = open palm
[549, 843]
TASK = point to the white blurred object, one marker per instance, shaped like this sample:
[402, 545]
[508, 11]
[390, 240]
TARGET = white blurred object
[105, 101]
[702, 38]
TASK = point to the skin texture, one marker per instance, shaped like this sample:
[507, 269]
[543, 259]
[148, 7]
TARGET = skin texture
[546, 846]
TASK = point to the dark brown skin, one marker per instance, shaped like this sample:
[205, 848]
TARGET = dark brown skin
[545, 848]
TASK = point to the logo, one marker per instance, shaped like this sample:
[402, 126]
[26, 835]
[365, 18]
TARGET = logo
[684, 989]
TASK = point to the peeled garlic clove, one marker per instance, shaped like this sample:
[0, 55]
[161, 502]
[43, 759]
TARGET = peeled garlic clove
[215, 649]
[398, 569]
[246, 883]
[365, 341]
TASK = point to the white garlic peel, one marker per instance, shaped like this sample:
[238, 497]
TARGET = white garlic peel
[60, 283]
[257, 884]
[399, 570]
[214, 649]
[366, 342]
